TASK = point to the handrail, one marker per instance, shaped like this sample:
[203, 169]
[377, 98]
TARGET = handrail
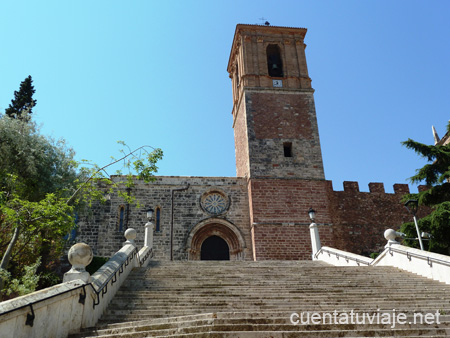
[341, 255]
[103, 289]
[429, 259]
[147, 255]
[30, 304]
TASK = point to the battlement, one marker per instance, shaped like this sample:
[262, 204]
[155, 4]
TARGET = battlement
[378, 188]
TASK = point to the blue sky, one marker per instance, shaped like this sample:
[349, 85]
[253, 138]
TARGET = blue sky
[154, 73]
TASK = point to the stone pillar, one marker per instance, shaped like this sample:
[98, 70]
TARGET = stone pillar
[80, 255]
[315, 239]
[148, 241]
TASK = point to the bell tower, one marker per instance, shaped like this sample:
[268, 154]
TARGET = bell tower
[274, 117]
[277, 139]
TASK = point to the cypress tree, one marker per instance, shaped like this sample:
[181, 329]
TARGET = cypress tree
[21, 106]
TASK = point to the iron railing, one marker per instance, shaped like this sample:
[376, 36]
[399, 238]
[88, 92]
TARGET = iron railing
[337, 254]
[429, 259]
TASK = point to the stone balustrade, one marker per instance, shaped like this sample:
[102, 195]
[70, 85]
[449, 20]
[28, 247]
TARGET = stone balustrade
[341, 258]
[428, 264]
[76, 303]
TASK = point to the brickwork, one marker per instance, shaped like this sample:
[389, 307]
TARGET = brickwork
[287, 242]
[288, 200]
[241, 143]
[280, 217]
[248, 53]
[271, 216]
[279, 169]
[360, 218]
[266, 118]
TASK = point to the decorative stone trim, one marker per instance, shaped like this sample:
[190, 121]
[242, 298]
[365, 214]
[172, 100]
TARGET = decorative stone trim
[215, 227]
[215, 202]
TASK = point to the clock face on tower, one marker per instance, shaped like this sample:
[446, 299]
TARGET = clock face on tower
[214, 203]
[277, 83]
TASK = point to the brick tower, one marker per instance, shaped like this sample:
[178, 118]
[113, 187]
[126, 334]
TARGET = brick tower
[276, 139]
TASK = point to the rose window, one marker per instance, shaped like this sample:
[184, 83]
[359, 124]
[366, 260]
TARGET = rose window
[214, 203]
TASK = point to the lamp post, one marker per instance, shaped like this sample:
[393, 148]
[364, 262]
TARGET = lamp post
[412, 206]
[314, 232]
[149, 229]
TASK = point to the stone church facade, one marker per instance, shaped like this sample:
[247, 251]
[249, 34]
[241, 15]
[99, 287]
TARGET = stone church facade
[262, 214]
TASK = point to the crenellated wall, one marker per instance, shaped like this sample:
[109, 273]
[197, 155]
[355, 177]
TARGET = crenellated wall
[360, 218]
[265, 219]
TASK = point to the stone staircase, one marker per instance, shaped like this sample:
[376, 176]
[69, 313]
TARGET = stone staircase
[257, 299]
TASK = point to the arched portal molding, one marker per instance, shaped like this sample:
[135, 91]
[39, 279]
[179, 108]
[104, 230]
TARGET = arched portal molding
[215, 227]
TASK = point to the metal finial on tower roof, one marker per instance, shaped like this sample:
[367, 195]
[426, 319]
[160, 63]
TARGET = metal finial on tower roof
[264, 21]
[435, 135]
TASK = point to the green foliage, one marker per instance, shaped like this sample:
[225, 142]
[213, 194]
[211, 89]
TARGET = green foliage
[140, 164]
[48, 278]
[436, 176]
[27, 283]
[32, 165]
[42, 186]
[374, 255]
[40, 227]
[97, 263]
[22, 105]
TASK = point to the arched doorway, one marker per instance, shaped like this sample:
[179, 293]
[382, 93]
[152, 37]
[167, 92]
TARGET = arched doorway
[228, 234]
[214, 248]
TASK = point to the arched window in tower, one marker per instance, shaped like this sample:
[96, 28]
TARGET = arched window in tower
[237, 75]
[121, 218]
[274, 63]
[158, 220]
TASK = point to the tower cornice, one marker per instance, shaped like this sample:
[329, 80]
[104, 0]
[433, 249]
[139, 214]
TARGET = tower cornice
[241, 29]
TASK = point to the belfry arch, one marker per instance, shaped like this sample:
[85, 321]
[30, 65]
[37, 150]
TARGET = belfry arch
[215, 227]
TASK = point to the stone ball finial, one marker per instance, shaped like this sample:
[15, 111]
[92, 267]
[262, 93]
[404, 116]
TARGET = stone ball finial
[390, 234]
[80, 255]
[130, 234]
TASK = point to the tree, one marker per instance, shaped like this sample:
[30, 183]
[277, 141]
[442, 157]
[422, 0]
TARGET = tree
[37, 175]
[32, 165]
[42, 187]
[21, 106]
[436, 175]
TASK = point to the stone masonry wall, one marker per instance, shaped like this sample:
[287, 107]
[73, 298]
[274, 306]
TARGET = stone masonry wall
[277, 117]
[100, 230]
[271, 215]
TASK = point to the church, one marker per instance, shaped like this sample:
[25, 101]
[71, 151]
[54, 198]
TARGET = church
[262, 213]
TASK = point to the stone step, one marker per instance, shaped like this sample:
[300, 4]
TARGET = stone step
[288, 289]
[200, 327]
[244, 322]
[290, 284]
[284, 292]
[124, 315]
[256, 299]
[273, 316]
[279, 302]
